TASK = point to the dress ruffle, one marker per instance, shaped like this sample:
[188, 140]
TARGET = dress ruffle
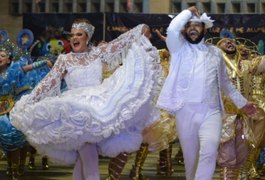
[91, 114]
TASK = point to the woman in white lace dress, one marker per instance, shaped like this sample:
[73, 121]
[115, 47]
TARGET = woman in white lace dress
[93, 115]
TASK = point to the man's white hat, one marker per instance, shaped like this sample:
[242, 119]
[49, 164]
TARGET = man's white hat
[203, 19]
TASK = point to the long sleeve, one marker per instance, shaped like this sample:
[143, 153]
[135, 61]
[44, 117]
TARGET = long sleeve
[50, 85]
[174, 38]
[113, 52]
[228, 88]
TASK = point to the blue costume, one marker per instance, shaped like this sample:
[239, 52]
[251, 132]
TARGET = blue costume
[18, 75]
[13, 85]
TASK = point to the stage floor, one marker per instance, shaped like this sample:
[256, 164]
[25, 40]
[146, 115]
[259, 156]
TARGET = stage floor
[56, 172]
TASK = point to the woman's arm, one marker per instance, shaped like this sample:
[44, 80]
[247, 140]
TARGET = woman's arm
[36, 65]
[117, 47]
[50, 84]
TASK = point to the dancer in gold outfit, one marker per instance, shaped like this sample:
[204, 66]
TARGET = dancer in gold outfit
[241, 136]
[257, 69]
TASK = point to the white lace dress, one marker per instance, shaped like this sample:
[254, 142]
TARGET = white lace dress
[92, 111]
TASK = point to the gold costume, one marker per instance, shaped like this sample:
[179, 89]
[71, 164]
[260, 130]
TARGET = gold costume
[257, 68]
[241, 135]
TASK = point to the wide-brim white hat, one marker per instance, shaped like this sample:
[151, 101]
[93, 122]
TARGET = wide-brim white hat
[203, 19]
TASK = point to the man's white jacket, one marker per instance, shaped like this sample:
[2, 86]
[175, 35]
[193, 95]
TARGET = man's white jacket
[176, 89]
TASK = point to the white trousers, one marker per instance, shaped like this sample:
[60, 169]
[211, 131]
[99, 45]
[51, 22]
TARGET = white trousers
[199, 129]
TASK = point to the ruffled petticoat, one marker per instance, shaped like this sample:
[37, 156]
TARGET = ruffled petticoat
[109, 114]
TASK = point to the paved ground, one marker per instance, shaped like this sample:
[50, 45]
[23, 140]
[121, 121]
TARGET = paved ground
[56, 172]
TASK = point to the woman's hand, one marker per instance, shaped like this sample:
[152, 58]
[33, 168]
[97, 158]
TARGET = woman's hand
[146, 31]
[49, 63]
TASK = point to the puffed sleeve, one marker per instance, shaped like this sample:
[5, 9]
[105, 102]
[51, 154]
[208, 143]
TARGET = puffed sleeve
[113, 52]
[50, 84]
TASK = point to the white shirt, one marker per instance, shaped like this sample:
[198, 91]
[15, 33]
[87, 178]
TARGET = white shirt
[197, 83]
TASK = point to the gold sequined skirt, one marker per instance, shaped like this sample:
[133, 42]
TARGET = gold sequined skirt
[159, 134]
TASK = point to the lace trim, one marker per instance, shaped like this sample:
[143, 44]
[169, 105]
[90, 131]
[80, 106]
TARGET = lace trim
[112, 53]
[121, 48]
[122, 115]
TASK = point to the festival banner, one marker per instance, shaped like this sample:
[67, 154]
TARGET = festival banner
[111, 25]
[117, 23]
[247, 26]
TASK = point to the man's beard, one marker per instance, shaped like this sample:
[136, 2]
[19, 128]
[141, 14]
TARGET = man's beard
[230, 52]
[197, 40]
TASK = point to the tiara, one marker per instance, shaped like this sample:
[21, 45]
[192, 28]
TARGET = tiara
[11, 49]
[88, 28]
[6, 50]
[7, 47]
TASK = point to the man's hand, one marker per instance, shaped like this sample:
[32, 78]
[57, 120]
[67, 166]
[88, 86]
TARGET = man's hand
[194, 11]
[250, 109]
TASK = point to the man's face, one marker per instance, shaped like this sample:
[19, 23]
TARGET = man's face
[244, 51]
[228, 46]
[194, 32]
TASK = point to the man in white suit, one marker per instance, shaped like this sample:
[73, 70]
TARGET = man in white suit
[192, 92]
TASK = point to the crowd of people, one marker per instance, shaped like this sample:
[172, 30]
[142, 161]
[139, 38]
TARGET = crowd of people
[62, 105]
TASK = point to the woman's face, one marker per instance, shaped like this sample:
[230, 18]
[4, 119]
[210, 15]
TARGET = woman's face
[78, 40]
[4, 60]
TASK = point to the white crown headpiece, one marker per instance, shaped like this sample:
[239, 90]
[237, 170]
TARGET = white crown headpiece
[88, 28]
[203, 19]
